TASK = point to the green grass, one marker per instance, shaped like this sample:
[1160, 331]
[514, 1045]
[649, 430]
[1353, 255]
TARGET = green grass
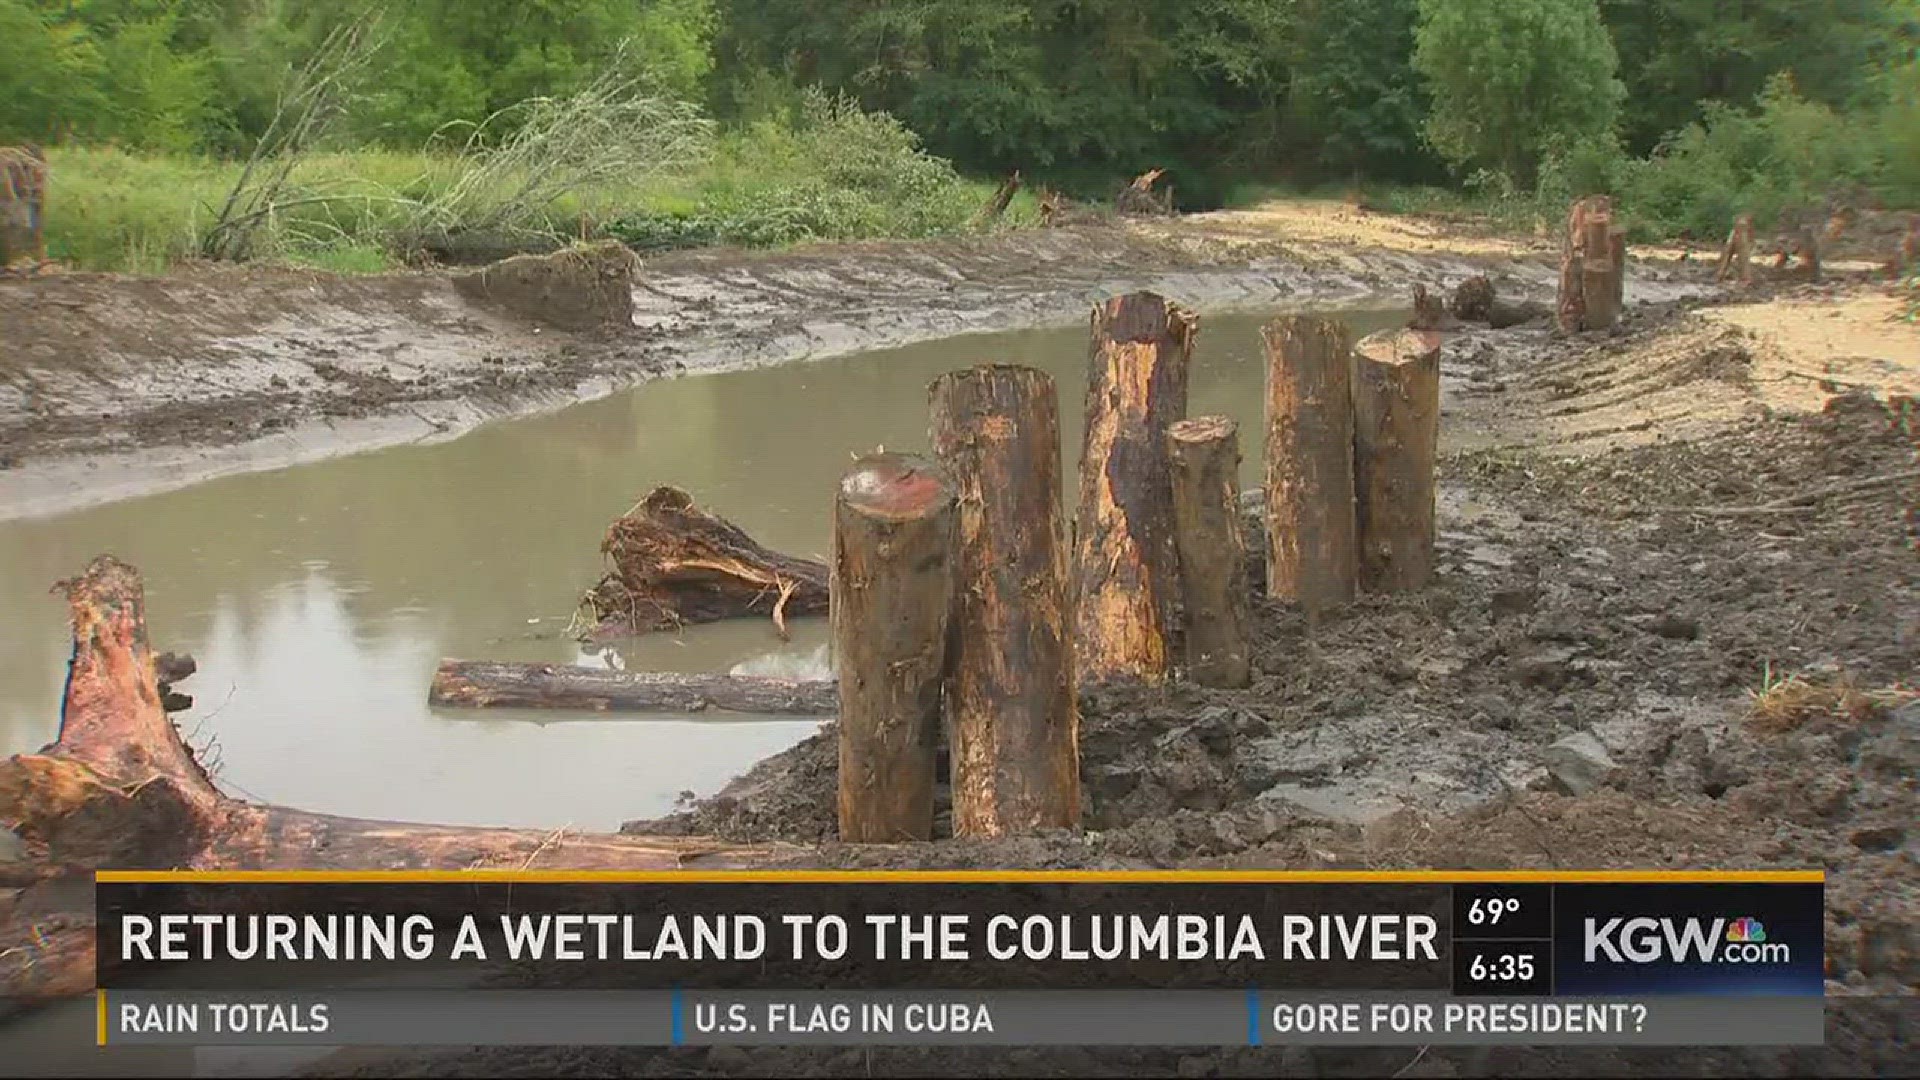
[108, 209]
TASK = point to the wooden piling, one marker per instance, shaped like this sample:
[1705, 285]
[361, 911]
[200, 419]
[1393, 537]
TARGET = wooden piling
[892, 586]
[1126, 568]
[1204, 454]
[1312, 554]
[1012, 710]
[1396, 429]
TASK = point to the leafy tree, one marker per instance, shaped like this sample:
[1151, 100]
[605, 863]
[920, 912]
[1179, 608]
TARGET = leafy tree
[1511, 77]
[49, 74]
[1675, 54]
[1354, 93]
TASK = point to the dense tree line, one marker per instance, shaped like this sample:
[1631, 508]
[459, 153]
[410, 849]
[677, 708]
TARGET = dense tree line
[1079, 92]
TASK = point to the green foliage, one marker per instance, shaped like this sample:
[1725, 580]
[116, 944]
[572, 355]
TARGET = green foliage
[1677, 54]
[1784, 156]
[1355, 97]
[1510, 78]
[826, 170]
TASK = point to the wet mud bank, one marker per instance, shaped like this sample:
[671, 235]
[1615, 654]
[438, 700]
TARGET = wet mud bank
[112, 387]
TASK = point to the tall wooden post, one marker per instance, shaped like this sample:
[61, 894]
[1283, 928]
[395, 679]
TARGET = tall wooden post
[1205, 457]
[892, 588]
[1012, 712]
[1312, 554]
[1126, 568]
[1396, 432]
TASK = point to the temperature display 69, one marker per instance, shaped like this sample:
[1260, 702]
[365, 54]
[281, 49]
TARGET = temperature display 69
[1502, 912]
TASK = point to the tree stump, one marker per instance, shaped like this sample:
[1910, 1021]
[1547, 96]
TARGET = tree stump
[1592, 267]
[893, 573]
[1737, 252]
[1126, 568]
[1205, 456]
[1396, 429]
[1012, 710]
[1312, 550]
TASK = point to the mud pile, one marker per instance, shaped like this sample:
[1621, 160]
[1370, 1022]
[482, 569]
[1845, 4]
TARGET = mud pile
[580, 288]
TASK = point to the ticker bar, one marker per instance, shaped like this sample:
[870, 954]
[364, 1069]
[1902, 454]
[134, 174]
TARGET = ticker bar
[941, 1018]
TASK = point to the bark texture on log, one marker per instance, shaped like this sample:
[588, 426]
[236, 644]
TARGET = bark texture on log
[1205, 456]
[1126, 569]
[894, 549]
[674, 563]
[1396, 430]
[1312, 551]
[1012, 709]
[484, 684]
[120, 789]
[1586, 259]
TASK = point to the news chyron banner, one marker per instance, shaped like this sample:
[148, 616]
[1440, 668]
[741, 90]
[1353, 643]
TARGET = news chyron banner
[957, 958]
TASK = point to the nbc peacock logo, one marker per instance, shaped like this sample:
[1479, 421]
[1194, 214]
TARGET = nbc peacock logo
[1746, 930]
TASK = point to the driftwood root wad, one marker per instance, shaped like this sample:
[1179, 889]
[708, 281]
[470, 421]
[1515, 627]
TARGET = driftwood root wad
[504, 684]
[120, 789]
[674, 564]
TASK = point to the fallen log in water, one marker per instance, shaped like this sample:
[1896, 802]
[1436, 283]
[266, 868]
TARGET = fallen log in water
[506, 684]
[119, 789]
[674, 564]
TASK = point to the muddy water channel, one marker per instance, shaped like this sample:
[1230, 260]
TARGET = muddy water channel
[318, 599]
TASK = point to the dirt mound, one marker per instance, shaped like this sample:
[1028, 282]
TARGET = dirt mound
[580, 288]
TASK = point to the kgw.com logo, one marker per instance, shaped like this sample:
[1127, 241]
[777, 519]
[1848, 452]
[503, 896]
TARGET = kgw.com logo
[1707, 941]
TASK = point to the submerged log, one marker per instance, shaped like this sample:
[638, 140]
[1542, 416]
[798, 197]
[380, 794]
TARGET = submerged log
[1126, 569]
[1205, 456]
[1013, 718]
[120, 789]
[484, 684]
[894, 550]
[1396, 430]
[1312, 549]
[675, 564]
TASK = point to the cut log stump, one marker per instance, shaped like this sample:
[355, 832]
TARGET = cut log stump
[485, 684]
[1126, 568]
[119, 789]
[674, 563]
[894, 549]
[1205, 456]
[1012, 712]
[1312, 547]
[1592, 267]
[1396, 430]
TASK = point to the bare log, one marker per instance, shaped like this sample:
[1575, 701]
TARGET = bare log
[1012, 712]
[1312, 550]
[1126, 568]
[1505, 313]
[894, 549]
[1205, 457]
[482, 684]
[120, 789]
[674, 564]
[1396, 429]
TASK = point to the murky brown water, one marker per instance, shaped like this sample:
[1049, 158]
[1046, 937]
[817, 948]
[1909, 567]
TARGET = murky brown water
[318, 599]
